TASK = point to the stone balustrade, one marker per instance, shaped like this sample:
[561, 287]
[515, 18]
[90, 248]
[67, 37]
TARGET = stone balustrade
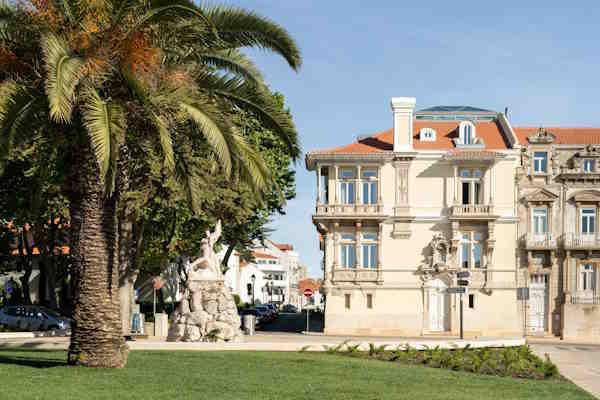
[539, 242]
[472, 210]
[575, 241]
[349, 210]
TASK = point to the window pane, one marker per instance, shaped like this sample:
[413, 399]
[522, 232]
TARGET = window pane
[374, 256]
[477, 255]
[477, 197]
[465, 192]
[369, 173]
[465, 255]
[465, 173]
[347, 173]
[369, 236]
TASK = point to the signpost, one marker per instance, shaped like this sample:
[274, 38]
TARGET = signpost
[157, 284]
[462, 281]
[308, 292]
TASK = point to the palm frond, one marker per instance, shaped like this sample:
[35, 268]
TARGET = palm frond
[253, 170]
[64, 73]
[166, 141]
[237, 28]
[215, 133]
[16, 106]
[258, 101]
[235, 63]
[105, 123]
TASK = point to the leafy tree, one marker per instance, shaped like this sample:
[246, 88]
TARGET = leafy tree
[96, 78]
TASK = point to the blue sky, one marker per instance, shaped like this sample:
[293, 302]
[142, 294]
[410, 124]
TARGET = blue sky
[540, 60]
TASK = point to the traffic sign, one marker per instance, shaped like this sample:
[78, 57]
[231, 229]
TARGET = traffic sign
[455, 290]
[308, 292]
[463, 274]
[462, 282]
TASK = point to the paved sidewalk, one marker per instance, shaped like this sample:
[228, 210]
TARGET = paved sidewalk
[275, 342]
[578, 362]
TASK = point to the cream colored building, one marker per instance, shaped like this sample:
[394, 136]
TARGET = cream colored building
[401, 211]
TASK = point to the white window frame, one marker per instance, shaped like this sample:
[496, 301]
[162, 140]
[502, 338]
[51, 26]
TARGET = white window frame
[348, 251]
[370, 186]
[540, 164]
[588, 275]
[369, 246]
[467, 133]
[470, 241]
[427, 135]
[584, 214]
[347, 186]
[539, 216]
[474, 178]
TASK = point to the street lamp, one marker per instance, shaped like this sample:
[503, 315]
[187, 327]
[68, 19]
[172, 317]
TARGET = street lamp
[253, 279]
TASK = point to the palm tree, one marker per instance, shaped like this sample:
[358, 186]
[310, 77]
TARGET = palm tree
[92, 77]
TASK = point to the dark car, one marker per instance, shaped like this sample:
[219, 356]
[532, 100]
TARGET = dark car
[265, 314]
[33, 318]
[289, 308]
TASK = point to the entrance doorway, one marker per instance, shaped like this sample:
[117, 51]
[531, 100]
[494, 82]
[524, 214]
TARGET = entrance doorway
[537, 321]
[438, 307]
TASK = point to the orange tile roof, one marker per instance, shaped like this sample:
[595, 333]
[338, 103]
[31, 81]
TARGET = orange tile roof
[258, 254]
[283, 246]
[563, 135]
[489, 131]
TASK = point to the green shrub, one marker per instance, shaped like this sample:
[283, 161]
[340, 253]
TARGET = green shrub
[517, 362]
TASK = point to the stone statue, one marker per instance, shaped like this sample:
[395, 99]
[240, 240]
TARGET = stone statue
[207, 311]
[207, 267]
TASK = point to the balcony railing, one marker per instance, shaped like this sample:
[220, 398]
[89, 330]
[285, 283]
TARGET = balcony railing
[348, 210]
[355, 275]
[579, 241]
[543, 241]
[473, 210]
[585, 300]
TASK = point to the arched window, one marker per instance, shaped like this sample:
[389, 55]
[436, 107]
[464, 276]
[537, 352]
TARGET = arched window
[467, 132]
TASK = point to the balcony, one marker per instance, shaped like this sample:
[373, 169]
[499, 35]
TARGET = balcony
[472, 211]
[576, 241]
[355, 275]
[545, 241]
[584, 299]
[337, 211]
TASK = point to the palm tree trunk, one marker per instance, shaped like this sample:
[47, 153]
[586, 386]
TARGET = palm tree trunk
[96, 339]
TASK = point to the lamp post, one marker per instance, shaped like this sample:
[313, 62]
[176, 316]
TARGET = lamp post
[253, 279]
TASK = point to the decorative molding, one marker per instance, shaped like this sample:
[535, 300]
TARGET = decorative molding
[541, 196]
[542, 136]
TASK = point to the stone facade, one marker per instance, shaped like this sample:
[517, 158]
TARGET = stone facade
[446, 190]
[559, 252]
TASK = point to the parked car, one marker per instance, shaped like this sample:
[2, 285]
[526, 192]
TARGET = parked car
[265, 313]
[273, 308]
[33, 318]
[289, 308]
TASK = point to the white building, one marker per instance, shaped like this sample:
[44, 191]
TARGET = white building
[272, 277]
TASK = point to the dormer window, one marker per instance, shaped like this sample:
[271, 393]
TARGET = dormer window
[467, 132]
[427, 135]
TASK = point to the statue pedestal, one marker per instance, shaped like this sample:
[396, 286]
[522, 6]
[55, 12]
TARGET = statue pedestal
[206, 313]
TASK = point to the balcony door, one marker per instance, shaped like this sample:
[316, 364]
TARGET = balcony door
[471, 188]
[587, 281]
[539, 223]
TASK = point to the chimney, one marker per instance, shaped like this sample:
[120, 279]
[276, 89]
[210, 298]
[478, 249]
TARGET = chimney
[403, 109]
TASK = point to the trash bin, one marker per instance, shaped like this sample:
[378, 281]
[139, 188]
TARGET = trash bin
[249, 322]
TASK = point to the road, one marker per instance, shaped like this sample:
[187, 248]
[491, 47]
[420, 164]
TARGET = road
[579, 363]
[294, 323]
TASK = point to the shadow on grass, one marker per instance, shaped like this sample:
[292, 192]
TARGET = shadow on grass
[31, 358]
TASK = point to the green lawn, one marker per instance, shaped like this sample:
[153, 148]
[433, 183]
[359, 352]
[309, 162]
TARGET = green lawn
[256, 375]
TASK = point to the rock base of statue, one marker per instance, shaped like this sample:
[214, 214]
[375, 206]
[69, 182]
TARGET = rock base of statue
[207, 313]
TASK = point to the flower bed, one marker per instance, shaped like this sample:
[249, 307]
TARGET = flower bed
[517, 362]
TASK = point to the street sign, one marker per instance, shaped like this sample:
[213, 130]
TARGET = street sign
[523, 293]
[462, 282]
[463, 274]
[455, 290]
[308, 292]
